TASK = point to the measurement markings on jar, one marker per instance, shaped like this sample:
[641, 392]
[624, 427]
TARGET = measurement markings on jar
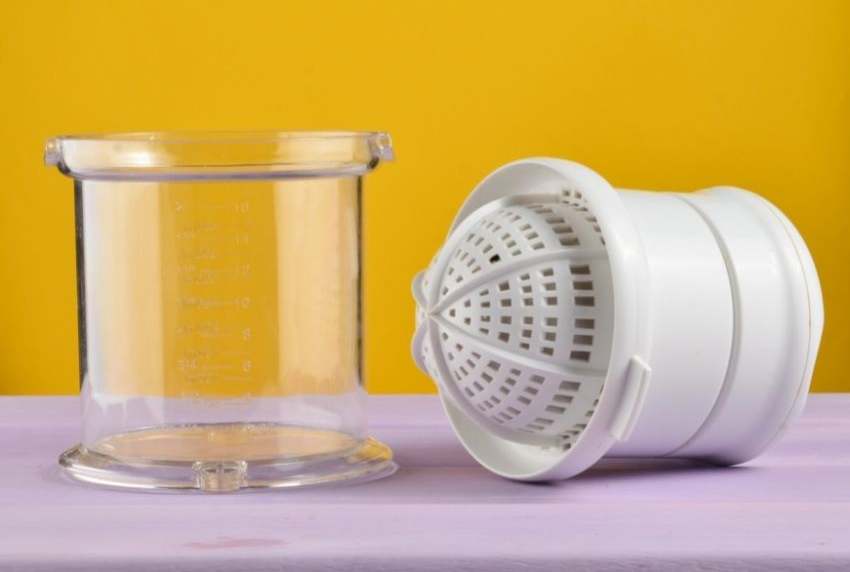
[242, 302]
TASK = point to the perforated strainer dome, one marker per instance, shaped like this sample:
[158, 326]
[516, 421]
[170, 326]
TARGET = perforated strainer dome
[555, 300]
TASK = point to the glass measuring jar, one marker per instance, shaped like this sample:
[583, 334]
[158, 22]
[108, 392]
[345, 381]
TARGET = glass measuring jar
[220, 312]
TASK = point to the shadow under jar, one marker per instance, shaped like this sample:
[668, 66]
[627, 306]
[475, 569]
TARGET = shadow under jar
[219, 296]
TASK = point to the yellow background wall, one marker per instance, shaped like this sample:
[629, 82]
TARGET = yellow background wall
[652, 94]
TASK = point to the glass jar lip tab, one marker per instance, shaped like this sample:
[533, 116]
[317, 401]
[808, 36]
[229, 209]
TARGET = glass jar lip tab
[209, 155]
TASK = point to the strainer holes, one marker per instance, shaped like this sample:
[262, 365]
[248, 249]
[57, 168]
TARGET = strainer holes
[504, 416]
[543, 421]
[550, 336]
[532, 235]
[580, 355]
[486, 377]
[515, 371]
[445, 290]
[476, 355]
[524, 227]
[585, 323]
[526, 289]
[494, 365]
[467, 321]
[463, 371]
[537, 245]
[528, 320]
[471, 365]
[516, 252]
[484, 292]
[504, 337]
[452, 313]
[504, 390]
[478, 386]
[583, 285]
[547, 351]
[485, 304]
[485, 318]
[528, 301]
[549, 286]
[562, 228]
[468, 392]
[569, 241]
[524, 346]
[467, 303]
[525, 277]
[487, 248]
[535, 426]
[526, 333]
[558, 398]
[587, 301]
[569, 386]
[551, 322]
[476, 270]
[556, 409]
[495, 258]
[450, 271]
[513, 410]
[444, 336]
[538, 379]
[580, 269]
[524, 400]
[505, 320]
[553, 301]
[484, 331]
[583, 340]
[503, 286]
[511, 381]
[479, 241]
[505, 302]
[459, 347]
[547, 272]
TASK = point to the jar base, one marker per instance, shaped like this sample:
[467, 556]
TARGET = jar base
[221, 458]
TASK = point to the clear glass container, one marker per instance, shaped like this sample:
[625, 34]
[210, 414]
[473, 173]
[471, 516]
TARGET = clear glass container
[220, 308]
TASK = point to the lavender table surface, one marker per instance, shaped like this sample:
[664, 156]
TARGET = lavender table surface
[789, 509]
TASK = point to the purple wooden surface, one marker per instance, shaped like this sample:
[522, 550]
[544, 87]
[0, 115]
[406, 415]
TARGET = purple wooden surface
[789, 509]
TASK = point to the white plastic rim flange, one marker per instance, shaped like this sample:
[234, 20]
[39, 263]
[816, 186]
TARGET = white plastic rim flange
[722, 402]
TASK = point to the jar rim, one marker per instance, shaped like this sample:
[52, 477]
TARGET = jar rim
[190, 155]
